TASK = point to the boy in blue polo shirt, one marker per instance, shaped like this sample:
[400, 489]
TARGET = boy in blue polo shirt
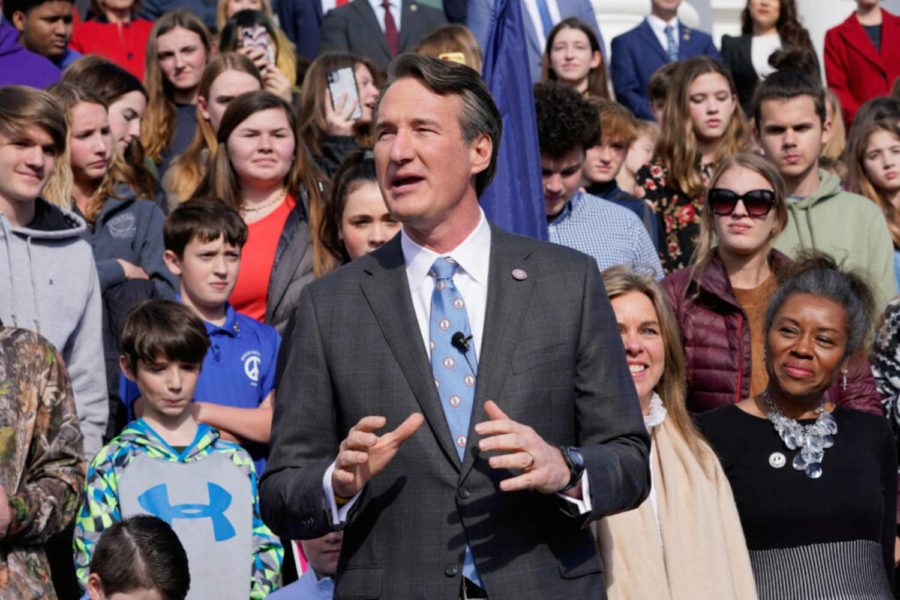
[236, 390]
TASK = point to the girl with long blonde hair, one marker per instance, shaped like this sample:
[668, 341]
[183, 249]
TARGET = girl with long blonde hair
[702, 126]
[179, 48]
[126, 229]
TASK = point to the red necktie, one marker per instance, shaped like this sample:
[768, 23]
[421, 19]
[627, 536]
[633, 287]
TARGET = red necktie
[390, 29]
[341, 2]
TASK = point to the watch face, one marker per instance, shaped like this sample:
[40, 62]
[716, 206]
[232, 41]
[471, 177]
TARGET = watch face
[576, 457]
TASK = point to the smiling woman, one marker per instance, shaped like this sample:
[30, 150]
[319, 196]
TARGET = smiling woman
[572, 56]
[666, 537]
[823, 483]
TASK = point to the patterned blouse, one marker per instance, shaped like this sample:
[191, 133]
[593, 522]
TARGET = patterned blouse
[678, 216]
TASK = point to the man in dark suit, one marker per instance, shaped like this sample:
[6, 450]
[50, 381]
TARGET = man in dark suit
[659, 39]
[301, 21]
[493, 360]
[364, 28]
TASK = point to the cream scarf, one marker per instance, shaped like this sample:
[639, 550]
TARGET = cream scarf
[703, 554]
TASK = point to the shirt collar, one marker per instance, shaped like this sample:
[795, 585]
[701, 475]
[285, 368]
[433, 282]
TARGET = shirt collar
[469, 255]
[659, 26]
[229, 327]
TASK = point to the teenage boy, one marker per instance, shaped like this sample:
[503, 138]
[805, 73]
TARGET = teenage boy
[567, 126]
[168, 465]
[792, 129]
[48, 278]
[41, 468]
[659, 39]
[604, 161]
[236, 389]
[45, 28]
[317, 583]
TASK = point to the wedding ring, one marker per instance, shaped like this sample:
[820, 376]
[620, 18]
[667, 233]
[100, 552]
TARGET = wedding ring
[531, 464]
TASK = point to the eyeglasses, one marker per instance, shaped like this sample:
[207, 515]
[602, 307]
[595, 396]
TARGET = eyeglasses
[757, 202]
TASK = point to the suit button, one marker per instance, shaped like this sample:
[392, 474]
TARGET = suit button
[451, 571]
[464, 493]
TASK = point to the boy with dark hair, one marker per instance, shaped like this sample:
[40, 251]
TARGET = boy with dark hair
[45, 28]
[168, 465]
[41, 468]
[792, 129]
[236, 389]
[567, 126]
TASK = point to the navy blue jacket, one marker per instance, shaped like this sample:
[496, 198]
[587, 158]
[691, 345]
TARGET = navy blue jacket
[637, 54]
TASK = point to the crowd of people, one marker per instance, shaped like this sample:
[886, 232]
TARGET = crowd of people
[258, 338]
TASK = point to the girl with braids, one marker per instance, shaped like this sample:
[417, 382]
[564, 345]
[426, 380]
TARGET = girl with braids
[262, 169]
[701, 127]
[179, 48]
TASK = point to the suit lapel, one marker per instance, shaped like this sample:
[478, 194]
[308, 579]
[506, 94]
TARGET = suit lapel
[507, 302]
[387, 292]
[367, 14]
[651, 41]
[409, 18]
[856, 37]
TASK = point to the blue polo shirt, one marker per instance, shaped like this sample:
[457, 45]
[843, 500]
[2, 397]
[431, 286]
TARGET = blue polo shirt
[239, 370]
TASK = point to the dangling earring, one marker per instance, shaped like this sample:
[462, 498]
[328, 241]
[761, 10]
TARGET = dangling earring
[843, 380]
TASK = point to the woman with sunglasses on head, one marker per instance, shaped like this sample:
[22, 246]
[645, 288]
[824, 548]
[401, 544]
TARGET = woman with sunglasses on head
[720, 301]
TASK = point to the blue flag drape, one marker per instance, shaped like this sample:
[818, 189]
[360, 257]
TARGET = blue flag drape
[515, 199]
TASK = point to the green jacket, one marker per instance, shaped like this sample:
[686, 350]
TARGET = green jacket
[848, 227]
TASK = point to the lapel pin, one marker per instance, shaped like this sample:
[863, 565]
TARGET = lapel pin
[519, 275]
[413, 7]
[687, 35]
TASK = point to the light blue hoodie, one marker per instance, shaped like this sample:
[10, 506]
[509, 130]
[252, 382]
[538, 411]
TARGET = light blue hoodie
[48, 284]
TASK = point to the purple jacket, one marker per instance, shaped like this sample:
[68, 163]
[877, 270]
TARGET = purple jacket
[716, 342]
[19, 66]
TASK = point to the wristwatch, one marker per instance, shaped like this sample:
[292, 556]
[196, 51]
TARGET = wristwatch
[575, 461]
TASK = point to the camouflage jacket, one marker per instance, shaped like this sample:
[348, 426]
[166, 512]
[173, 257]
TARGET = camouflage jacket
[41, 465]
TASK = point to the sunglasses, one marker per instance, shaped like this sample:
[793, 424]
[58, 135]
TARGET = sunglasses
[757, 202]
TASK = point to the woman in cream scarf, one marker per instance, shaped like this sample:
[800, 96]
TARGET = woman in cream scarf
[685, 541]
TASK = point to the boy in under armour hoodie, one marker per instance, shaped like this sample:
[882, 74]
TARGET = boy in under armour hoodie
[168, 465]
[48, 280]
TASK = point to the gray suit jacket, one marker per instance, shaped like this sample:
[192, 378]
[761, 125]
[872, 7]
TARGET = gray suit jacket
[354, 28]
[551, 357]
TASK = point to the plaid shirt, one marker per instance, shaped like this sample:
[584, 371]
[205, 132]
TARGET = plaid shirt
[611, 234]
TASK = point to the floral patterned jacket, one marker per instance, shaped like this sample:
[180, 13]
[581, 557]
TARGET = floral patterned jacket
[677, 216]
[41, 464]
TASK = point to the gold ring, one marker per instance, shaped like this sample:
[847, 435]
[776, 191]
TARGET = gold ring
[531, 464]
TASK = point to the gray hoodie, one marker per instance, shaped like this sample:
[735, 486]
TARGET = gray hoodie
[48, 284]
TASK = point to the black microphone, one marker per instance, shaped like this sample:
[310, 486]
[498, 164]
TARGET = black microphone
[460, 341]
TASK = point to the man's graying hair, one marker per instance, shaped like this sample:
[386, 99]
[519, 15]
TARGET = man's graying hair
[479, 114]
[818, 274]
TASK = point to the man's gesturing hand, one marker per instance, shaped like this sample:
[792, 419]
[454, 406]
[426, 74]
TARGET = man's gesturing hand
[522, 448]
[363, 454]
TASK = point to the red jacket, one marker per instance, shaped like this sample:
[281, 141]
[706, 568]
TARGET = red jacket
[853, 68]
[125, 45]
[716, 341]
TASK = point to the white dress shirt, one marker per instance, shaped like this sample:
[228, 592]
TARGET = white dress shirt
[396, 11]
[471, 279]
[659, 30]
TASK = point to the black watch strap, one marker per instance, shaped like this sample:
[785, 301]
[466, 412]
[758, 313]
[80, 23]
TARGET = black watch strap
[575, 461]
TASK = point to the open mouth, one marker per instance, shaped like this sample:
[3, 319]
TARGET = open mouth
[405, 183]
[637, 368]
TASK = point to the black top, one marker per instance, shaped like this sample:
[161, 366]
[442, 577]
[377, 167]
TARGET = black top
[854, 499]
[874, 33]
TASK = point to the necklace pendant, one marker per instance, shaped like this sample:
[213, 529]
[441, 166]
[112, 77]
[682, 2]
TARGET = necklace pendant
[814, 471]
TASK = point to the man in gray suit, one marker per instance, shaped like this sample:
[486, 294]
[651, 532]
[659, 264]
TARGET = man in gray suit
[363, 27]
[493, 360]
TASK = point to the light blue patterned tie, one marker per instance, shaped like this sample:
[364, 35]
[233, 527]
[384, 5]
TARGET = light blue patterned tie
[546, 19]
[672, 49]
[454, 370]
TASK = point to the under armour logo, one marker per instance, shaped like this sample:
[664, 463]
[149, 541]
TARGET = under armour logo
[156, 502]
